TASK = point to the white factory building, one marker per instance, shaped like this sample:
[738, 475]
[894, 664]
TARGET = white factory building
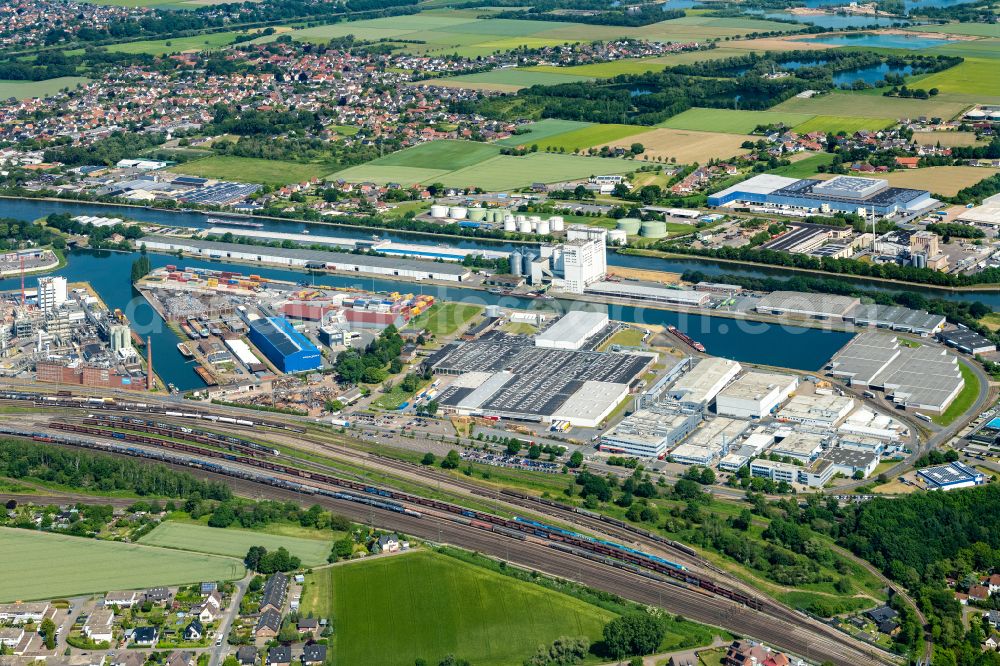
[581, 260]
[804, 446]
[698, 387]
[52, 293]
[755, 394]
[572, 330]
[817, 410]
[649, 433]
[709, 442]
[303, 258]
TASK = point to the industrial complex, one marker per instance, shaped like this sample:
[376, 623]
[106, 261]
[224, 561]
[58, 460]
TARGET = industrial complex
[848, 194]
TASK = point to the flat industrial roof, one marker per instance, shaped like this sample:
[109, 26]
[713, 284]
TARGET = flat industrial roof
[573, 327]
[649, 426]
[647, 292]
[755, 385]
[797, 302]
[815, 406]
[319, 256]
[762, 184]
[897, 317]
[591, 401]
[699, 381]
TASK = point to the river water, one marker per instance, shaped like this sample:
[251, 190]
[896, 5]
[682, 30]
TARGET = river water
[753, 342]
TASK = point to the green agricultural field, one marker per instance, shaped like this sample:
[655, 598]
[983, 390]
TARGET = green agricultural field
[158, 47]
[377, 173]
[29, 89]
[587, 137]
[252, 170]
[394, 610]
[448, 155]
[607, 70]
[510, 79]
[806, 168]
[979, 48]
[872, 106]
[163, 4]
[730, 121]
[445, 318]
[543, 129]
[74, 565]
[236, 542]
[506, 172]
[847, 124]
[973, 77]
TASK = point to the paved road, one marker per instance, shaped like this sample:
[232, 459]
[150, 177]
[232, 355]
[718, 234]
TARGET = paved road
[221, 647]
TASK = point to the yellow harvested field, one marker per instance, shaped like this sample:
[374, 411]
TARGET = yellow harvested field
[777, 44]
[946, 180]
[685, 145]
[946, 139]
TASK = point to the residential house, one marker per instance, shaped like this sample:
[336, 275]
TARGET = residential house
[157, 595]
[979, 593]
[268, 624]
[279, 656]
[387, 543]
[98, 626]
[246, 655]
[144, 636]
[121, 599]
[273, 594]
[129, 658]
[194, 631]
[993, 618]
[208, 588]
[746, 653]
[313, 654]
[11, 636]
[993, 583]
[990, 644]
[22, 613]
[686, 659]
[885, 619]
[178, 658]
[214, 599]
[205, 612]
[308, 625]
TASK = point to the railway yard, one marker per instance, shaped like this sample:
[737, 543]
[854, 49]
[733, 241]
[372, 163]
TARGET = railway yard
[253, 457]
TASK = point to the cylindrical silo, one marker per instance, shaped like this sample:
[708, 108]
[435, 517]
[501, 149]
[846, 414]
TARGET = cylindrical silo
[516, 263]
[528, 258]
[509, 224]
[630, 225]
[653, 229]
[439, 211]
[556, 223]
[524, 226]
[458, 212]
[535, 218]
[477, 214]
[492, 311]
[617, 237]
[520, 218]
[542, 229]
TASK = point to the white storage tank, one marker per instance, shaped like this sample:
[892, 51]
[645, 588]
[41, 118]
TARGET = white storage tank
[458, 212]
[535, 218]
[524, 226]
[439, 211]
[509, 224]
[520, 218]
[542, 228]
[617, 237]
[556, 223]
[477, 214]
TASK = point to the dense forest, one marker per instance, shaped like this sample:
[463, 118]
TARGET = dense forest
[101, 473]
[643, 15]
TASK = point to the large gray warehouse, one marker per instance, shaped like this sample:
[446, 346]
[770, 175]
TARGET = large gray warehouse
[303, 258]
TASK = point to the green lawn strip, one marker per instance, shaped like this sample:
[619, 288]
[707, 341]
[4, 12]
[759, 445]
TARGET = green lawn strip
[235, 542]
[965, 399]
[849, 124]
[158, 47]
[445, 318]
[587, 137]
[543, 129]
[76, 565]
[395, 397]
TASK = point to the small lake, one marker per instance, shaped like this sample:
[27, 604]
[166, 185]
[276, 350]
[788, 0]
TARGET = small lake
[881, 41]
[833, 21]
[908, 4]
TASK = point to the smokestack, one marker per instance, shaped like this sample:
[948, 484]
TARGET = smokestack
[149, 363]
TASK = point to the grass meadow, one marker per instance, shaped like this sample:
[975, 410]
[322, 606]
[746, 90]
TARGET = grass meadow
[158, 47]
[849, 124]
[38, 565]
[543, 129]
[236, 542]
[860, 105]
[445, 318]
[731, 121]
[30, 89]
[446, 155]
[391, 611]
[253, 170]
[587, 137]
[972, 77]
